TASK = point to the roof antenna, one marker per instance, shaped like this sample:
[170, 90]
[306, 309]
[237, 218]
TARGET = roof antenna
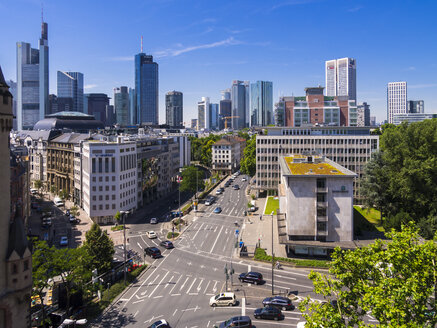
[141, 43]
[42, 13]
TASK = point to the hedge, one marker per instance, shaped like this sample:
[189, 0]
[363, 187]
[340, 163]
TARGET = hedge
[261, 255]
[171, 235]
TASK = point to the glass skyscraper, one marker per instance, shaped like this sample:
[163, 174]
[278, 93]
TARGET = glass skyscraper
[240, 104]
[132, 107]
[146, 89]
[121, 105]
[261, 104]
[214, 116]
[70, 85]
[174, 109]
[43, 72]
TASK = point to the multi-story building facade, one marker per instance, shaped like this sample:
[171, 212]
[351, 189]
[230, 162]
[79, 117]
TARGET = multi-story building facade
[225, 111]
[174, 110]
[315, 108]
[341, 78]
[109, 178]
[15, 253]
[279, 112]
[415, 106]
[240, 104]
[194, 123]
[70, 85]
[227, 154]
[316, 196]
[412, 117]
[57, 104]
[214, 116]
[396, 99]
[350, 147]
[203, 114]
[95, 104]
[13, 91]
[146, 89]
[60, 161]
[363, 114]
[121, 105]
[261, 103]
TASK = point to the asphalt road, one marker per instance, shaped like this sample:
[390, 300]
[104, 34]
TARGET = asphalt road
[178, 286]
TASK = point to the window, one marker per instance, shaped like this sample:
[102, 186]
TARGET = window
[14, 269]
[321, 197]
[26, 265]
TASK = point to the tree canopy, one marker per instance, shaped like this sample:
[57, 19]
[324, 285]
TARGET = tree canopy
[192, 179]
[99, 249]
[248, 163]
[201, 148]
[401, 180]
[394, 283]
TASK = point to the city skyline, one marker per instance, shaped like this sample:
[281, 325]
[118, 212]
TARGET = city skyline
[185, 45]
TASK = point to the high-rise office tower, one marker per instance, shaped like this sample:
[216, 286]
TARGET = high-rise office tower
[261, 104]
[27, 86]
[132, 107]
[226, 94]
[203, 119]
[95, 104]
[59, 104]
[341, 78]
[415, 106]
[225, 109]
[396, 99]
[214, 116]
[121, 105]
[146, 89]
[110, 115]
[240, 103]
[70, 85]
[43, 72]
[174, 111]
[363, 114]
[194, 123]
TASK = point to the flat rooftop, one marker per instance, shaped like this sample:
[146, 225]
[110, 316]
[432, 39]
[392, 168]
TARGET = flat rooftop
[315, 165]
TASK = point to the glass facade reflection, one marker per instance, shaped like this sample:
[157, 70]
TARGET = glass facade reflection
[70, 85]
[146, 89]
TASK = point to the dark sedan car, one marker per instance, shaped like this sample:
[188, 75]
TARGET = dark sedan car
[167, 244]
[268, 313]
[218, 210]
[252, 277]
[279, 302]
[240, 321]
[154, 252]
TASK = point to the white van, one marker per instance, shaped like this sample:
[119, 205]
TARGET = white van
[223, 299]
[58, 202]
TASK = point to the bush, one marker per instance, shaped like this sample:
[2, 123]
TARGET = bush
[261, 255]
[171, 235]
[117, 228]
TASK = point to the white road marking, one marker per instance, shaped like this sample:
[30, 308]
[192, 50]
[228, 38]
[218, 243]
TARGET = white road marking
[175, 312]
[139, 245]
[214, 289]
[194, 309]
[188, 291]
[200, 284]
[159, 296]
[158, 285]
[136, 313]
[243, 306]
[168, 283]
[218, 235]
[209, 281]
[138, 301]
[184, 283]
[175, 294]
[194, 237]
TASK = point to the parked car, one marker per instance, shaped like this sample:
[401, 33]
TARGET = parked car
[218, 192]
[251, 277]
[243, 179]
[268, 313]
[236, 187]
[240, 322]
[252, 209]
[63, 241]
[223, 299]
[33, 191]
[153, 221]
[160, 324]
[280, 302]
[218, 210]
[222, 189]
[209, 201]
[73, 219]
[151, 234]
[153, 252]
[46, 222]
[167, 244]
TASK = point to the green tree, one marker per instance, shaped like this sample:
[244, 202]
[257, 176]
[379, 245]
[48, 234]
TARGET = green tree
[192, 179]
[99, 249]
[42, 271]
[74, 210]
[395, 281]
[248, 163]
[38, 185]
[117, 217]
[53, 189]
[64, 194]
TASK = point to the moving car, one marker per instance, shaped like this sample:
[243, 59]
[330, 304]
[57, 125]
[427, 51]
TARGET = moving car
[223, 299]
[218, 210]
[236, 187]
[63, 241]
[251, 277]
[151, 234]
[209, 201]
[46, 222]
[243, 179]
[160, 324]
[240, 321]
[73, 219]
[153, 221]
[58, 202]
[167, 244]
[268, 313]
[153, 252]
[280, 302]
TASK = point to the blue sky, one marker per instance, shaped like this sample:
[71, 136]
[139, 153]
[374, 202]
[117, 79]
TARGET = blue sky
[201, 46]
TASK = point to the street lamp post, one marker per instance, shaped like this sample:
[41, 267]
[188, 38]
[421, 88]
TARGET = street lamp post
[273, 260]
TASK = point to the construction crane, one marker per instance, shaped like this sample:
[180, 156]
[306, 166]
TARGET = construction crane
[226, 120]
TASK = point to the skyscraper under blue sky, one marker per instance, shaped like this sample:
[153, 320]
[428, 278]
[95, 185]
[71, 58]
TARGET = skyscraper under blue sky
[70, 85]
[261, 103]
[43, 72]
[146, 89]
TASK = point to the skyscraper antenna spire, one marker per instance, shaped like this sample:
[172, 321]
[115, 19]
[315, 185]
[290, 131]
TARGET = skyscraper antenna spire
[141, 43]
[42, 13]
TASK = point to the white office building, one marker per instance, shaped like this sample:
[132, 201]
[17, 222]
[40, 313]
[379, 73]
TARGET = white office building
[203, 120]
[341, 78]
[396, 99]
